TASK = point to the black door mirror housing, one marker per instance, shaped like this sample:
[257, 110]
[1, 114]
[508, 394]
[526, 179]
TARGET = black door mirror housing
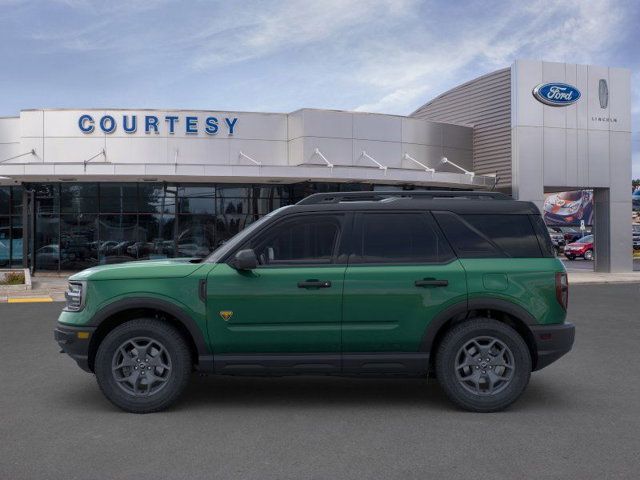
[245, 260]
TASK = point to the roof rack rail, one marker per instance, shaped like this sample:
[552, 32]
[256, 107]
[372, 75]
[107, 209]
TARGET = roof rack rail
[371, 196]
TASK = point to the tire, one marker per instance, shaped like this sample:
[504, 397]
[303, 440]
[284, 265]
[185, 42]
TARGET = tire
[167, 362]
[571, 257]
[475, 395]
[588, 255]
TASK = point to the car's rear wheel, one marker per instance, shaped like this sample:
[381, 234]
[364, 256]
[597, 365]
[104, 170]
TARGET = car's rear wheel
[483, 365]
[588, 255]
[143, 365]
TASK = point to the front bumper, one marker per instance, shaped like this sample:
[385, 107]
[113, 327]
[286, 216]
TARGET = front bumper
[552, 342]
[75, 341]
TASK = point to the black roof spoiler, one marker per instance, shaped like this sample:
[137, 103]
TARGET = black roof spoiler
[337, 197]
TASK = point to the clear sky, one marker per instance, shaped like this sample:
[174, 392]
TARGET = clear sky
[371, 55]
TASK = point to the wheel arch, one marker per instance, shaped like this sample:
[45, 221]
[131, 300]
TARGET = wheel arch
[504, 311]
[121, 311]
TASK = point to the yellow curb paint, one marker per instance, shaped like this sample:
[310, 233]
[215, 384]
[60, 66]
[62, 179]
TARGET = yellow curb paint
[29, 299]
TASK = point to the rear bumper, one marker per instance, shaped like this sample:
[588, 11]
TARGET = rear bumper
[552, 342]
[74, 345]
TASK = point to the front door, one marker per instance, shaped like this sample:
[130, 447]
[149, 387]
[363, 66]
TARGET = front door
[291, 303]
[402, 273]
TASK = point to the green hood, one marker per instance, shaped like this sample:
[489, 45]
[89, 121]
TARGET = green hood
[174, 268]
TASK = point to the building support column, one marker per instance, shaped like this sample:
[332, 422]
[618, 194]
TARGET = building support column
[612, 231]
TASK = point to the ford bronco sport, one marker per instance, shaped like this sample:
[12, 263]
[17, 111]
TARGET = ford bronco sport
[460, 285]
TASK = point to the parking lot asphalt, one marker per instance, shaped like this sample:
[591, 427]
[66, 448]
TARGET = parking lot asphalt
[578, 419]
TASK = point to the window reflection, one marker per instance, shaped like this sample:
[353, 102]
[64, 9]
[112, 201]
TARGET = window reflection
[78, 241]
[81, 224]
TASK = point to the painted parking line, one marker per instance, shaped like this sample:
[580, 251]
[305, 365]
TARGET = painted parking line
[29, 299]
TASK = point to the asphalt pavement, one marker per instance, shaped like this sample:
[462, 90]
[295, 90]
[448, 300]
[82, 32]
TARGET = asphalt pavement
[578, 419]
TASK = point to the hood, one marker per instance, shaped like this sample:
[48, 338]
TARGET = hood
[166, 268]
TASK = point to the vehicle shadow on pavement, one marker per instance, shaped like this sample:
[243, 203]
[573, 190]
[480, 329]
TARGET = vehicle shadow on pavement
[314, 392]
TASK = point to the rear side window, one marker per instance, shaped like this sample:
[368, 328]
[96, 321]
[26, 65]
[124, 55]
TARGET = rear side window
[467, 241]
[488, 235]
[399, 238]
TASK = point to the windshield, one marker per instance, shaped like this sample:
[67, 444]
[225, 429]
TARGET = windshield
[239, 238]
[585, 239]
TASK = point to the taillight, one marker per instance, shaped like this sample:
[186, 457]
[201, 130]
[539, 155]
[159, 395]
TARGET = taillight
[562, 289]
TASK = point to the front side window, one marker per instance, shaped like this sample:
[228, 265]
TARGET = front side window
[302, 240]
[399, 238]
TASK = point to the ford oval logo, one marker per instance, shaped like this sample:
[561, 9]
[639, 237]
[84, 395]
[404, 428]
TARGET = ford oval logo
[556, 94]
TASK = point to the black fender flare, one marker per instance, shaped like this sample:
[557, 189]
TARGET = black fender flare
[463, 308]
[155, 304]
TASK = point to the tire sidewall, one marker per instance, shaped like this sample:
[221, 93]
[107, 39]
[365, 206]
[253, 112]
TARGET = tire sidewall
[456, 338]
[180, 365]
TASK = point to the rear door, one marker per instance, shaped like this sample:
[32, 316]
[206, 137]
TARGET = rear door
[401, 274]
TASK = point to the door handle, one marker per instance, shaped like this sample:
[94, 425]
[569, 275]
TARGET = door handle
[431, 282]
[314, 284]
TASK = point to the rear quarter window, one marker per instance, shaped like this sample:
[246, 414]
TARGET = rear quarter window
[491, 235]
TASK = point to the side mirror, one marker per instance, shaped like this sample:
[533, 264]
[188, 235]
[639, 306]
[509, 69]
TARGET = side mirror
[245, 260]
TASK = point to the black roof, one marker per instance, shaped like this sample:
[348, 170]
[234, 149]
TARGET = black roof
[432, 200]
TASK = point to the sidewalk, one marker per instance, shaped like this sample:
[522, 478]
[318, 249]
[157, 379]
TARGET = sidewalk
[586, 277]
[46, 288]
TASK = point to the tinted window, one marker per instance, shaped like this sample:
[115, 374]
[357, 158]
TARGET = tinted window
[398, 238]
[467, 241]
[302, 240]
[543, 235]
[513, 234]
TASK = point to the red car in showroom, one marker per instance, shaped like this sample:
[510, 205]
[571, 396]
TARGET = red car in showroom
[582, 247]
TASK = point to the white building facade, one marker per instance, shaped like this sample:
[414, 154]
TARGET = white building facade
[67, 177]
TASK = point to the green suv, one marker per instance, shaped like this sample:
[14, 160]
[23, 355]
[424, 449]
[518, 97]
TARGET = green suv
[464, 286]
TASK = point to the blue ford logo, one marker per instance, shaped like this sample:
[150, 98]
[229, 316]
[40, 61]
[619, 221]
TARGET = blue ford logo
[556, 94]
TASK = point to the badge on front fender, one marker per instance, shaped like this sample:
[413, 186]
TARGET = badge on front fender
[226, 314]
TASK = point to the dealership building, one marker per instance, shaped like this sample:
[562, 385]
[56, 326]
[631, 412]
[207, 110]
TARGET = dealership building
[93, 186]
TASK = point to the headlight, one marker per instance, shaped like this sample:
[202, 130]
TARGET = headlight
[74, 297]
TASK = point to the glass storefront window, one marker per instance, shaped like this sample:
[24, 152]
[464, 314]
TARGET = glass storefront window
[152, 198]
[16, 241]
[5, 200]
[16, 200]
[79, 198]
[5, 241]
[197, 200]
[118, 198]
[155, 240]
[78, 241]
[117, 233]
[47, 248]
[196, 235]
[81, 224]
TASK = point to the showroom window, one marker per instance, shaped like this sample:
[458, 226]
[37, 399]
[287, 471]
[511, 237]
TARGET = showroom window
[10, 227]
[81, 224]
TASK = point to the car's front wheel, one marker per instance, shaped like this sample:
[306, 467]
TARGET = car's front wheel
[143, 365]
[483, 365]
